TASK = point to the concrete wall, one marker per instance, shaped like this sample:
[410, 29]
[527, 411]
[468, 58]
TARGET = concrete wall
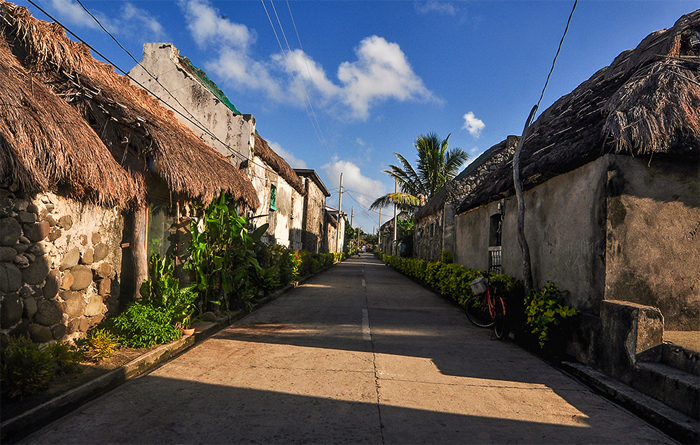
[653, 237]
[296, 220]
[314, 210]
[186, 94]
[564, 227]
[60, 265]
[618, 228]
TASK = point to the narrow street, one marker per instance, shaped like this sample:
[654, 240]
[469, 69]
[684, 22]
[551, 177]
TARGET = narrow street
[357, 354]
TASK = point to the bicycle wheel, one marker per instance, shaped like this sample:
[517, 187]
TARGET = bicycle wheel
[499, 318]
[478, 313]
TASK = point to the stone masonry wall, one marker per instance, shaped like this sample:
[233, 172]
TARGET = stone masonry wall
[60, 262]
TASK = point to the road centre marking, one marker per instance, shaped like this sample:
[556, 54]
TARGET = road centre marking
[363, 283]
[365, 325]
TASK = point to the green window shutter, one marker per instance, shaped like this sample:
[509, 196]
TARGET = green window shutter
[273, 196]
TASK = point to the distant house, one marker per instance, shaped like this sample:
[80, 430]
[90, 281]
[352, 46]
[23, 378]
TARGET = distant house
[337, 220]
[206, 110]
[386, 235]
[612, 192]
[95, 174]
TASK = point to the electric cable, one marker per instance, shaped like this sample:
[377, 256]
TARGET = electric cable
[126, 74]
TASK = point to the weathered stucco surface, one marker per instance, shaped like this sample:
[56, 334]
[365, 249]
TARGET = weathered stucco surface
[564, 227]
[653, 238]
[187, 95]
[60, 264]
[313, 230]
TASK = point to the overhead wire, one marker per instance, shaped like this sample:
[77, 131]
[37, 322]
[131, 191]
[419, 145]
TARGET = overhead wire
[126, 74]
[296, 73]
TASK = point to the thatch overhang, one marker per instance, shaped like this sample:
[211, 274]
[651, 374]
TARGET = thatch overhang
[45, 144]
[479, 169]
[278, 164]
[646, 103]
[142, 135]
[311, 174]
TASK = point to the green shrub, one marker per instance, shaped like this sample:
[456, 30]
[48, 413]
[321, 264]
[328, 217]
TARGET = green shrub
[103, 343]
[66, 357]
[446, 257]
[142, 326]
[26, 369]
[163, 290]
[545, 311]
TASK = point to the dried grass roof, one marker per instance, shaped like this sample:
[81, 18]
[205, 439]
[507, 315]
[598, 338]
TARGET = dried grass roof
[479, 169]
[43, 143]
[137, 130]
[646, 103]
[278, 164]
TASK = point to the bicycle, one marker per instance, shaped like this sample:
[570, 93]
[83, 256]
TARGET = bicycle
[488, 311]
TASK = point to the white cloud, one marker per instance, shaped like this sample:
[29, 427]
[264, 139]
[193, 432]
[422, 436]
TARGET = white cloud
[436, 6]
[208, 26]
[292, 160]
[74, 14]
[132, 22]
[472, 124]
[365, 190]
[380, 73]
[361, 142]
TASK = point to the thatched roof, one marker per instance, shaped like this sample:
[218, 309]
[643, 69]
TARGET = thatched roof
[487, 163]
[278, 164]
[646, 103]
[144, 137]
[45, 144]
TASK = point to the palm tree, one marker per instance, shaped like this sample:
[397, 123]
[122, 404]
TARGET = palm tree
[436, 167]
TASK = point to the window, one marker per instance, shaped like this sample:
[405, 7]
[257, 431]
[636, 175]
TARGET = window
[273, 196]
[495, 231]
[161, 229]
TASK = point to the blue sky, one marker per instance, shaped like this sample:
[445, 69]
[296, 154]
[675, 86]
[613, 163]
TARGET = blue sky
[370, 76]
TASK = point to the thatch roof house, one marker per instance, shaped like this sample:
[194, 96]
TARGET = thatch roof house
[612, 193]
[210, 114]
[83, 155]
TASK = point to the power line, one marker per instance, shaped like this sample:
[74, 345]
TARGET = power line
[557, 54]
[126, 74]
[295, 74]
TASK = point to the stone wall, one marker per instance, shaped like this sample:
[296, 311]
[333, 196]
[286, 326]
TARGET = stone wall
[60, 263]
[428, 238]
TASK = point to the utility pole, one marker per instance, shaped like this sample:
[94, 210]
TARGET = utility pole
[340, 213]
[379, 230]
[352, 216]
[396, 222]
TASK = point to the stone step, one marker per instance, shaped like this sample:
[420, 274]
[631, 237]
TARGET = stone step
[676, 424]
[678, 389]
[681, 358]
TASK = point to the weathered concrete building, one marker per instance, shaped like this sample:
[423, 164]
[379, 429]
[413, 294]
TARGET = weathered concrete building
[206, 110]
[313, 230]
[612, 202]
[82, 167]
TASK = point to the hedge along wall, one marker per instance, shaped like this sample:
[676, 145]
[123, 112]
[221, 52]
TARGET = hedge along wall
[453, 280]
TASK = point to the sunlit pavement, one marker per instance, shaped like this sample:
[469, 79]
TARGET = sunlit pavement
[357, 354]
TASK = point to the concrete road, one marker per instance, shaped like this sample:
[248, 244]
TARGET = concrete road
[358, 354]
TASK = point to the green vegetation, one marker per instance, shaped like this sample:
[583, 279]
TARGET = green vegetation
[28, 368]
[541, 312]
[103, 343]
[142, 325]
[436, 166]
[545, 311]
[228, 275]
